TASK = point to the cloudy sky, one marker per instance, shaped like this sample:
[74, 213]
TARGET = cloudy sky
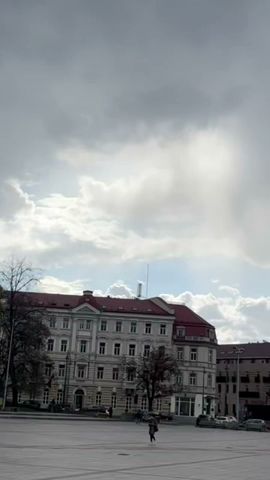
[135, 133]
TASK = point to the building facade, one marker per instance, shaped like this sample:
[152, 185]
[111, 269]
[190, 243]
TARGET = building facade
[194, 345]
[94, 338]
[253, 361]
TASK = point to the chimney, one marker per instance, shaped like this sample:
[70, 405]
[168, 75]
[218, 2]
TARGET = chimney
[87, 293]
[139, 290]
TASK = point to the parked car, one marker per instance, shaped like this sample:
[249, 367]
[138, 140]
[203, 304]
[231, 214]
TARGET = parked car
[205, 421]
[158, 415]
[98, 411]
[222, 420]
[254, 424]
[30, 404]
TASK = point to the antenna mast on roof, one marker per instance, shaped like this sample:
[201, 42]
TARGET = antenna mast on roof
[147, 280]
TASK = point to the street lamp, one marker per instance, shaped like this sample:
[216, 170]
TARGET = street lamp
[8, 364]
[237, 351]
[203, 386]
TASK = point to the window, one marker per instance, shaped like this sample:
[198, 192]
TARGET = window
[98, 398]
[59, 398]
[209, 380]
[193, 354]
[102, 347]
[52, 322]
[115, 373]
[65, 323]
[146, 351]
[210, 355]
[159, 404]
[63, 345]
[211, 334]
[117, 348]
[227, 388]
[88, 324]
[162, 330]
[192, 379]
[61, 370]
[180, 331]
[144, 403]
[46, 396]
[133, 327]
[48, 369]
[113, 400]
[50, 345]
[83, 345]
[131, 350]
[100, 373]
[81, 371]
[103, 325]
[81, 324]
[128, 403]
[148, 328]
[234, 388]
[185, 406]
[180, 353]
[219, 388]
[161, 350]
[179, 379]
[118, 326]
[131, 374]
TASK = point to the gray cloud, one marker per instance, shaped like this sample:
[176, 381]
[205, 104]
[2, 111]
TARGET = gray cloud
[100, 73]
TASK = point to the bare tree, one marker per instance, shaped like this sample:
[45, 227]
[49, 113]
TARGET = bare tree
[23, 333]
[156, 374]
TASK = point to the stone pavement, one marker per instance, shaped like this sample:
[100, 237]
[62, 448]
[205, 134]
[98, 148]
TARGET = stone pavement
[47, 450]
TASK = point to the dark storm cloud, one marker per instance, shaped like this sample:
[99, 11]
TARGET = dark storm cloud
[95, 71]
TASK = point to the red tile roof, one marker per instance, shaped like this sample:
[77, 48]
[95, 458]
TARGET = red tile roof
[106, 304]
[249, 350]
[185, 316]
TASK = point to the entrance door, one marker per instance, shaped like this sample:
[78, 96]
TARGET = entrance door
[79, 394]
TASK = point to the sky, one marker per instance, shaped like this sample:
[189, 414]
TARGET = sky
[136, 133]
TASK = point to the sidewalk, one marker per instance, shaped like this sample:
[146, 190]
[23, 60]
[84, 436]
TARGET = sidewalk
[70, 417]
[54, 416]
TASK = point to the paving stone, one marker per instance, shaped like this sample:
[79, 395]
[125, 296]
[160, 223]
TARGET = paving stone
[50, 450]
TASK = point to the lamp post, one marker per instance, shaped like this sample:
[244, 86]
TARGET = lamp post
[203, 387]
[237, 351]
[8, 364]
[66, 381]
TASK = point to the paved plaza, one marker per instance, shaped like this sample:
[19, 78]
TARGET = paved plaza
[80, 450]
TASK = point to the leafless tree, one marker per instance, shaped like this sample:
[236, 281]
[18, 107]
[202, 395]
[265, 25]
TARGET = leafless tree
[23, 333]
[155, 374]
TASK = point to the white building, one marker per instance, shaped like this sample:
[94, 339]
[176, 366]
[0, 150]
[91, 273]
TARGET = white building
[93, 338]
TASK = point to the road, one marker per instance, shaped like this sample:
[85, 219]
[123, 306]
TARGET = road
[68, 450]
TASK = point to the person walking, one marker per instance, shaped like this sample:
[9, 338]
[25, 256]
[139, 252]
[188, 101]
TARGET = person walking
[153, 428]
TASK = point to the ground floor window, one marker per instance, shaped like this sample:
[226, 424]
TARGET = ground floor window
[59, 398]
[128, 403]
[46, 396]
[144, 403]
[113, 402]
[185, 406]
[98, 398]
[159, 404]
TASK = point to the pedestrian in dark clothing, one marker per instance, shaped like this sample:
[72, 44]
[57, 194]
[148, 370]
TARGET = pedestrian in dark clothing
[153, 428]
[110, 410]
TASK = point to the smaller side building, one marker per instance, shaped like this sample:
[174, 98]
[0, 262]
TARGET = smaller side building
[194, 344]
[254, 379]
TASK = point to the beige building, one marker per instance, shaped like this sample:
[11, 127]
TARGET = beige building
[94, 338]
[254, 379]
